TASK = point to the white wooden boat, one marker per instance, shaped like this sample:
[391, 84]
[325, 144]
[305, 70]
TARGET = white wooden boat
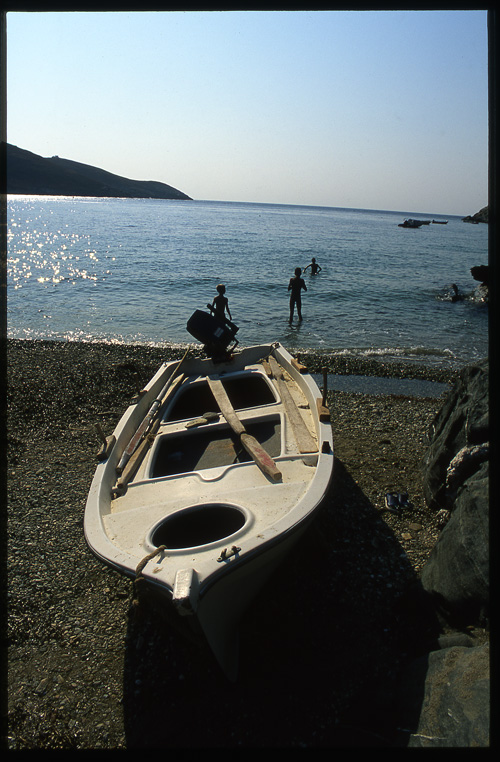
[236, 461]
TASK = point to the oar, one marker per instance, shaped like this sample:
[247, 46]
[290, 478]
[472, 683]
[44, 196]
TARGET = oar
[305, 441]
[148, 419]
[134, 462]
[135, 459]
[251, 445]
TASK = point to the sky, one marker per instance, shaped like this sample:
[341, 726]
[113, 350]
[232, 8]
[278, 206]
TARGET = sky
[358, 109]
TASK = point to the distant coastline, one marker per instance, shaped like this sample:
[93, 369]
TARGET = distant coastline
[30, 174]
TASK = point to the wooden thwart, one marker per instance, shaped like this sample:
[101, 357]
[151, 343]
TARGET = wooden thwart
[251, 445]
[298, 365]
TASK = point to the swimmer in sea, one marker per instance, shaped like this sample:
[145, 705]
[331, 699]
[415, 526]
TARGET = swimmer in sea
[315, 268]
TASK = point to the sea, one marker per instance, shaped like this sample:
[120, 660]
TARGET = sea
[133, 271]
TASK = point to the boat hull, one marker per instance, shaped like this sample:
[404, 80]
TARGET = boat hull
[205, 516]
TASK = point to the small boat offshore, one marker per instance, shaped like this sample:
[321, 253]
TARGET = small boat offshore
[208, 481]
[412, 223]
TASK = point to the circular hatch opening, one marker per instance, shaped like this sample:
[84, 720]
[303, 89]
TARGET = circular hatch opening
[201, 525]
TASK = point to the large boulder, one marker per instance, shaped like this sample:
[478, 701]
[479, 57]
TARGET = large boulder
[456, 483]
[443, 698]
[444, 695]
[481, 273]
[457, 572]
[459, 437]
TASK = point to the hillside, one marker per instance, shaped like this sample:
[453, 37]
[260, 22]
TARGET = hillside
[30, 174]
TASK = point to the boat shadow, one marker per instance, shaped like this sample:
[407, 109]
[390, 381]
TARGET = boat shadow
[319, 647]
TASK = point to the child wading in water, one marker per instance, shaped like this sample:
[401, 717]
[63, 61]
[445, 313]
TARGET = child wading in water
[296, 285]
[315, 268]
[220, 303]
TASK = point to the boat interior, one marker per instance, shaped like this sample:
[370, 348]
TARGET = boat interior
[196, 398]
[179, 449]
[211, 446]
[187, 452]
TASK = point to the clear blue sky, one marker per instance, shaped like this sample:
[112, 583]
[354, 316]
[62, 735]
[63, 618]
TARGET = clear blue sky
[375, 110]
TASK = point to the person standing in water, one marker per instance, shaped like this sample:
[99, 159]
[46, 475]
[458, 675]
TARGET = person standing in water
[295, 286]
[315, 268]
[220, 303]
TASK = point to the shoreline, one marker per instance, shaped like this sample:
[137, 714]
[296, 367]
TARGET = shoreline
[83, 674]
[315, 361]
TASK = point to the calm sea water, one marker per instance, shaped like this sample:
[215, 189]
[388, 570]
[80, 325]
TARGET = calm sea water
[134, 270]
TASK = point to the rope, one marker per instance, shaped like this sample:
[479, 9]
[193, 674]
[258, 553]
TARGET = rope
[138, 572]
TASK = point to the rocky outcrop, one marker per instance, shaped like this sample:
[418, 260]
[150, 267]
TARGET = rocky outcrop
[481, 216]
[480, 273]
[456, 482]
[457, 573]
[463, 421]
[444, 694]
[28, 173]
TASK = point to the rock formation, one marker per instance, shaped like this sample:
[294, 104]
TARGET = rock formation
[481, 216]
[480, 273]
[444, 694]
[456, 471]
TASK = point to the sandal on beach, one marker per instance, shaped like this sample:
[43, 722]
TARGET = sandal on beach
[403, 500]
[396, 501]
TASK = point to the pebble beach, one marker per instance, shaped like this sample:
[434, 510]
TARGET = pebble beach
[319, 647]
